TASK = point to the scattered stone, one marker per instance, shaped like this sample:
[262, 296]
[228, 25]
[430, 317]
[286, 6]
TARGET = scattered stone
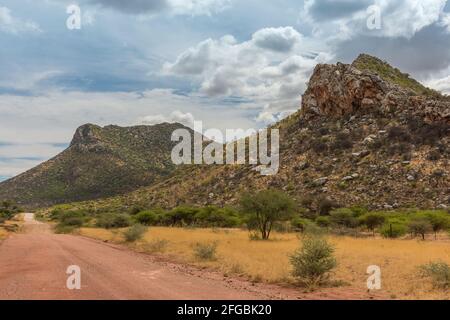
[370, 139]
[320, 182]
[410, 177]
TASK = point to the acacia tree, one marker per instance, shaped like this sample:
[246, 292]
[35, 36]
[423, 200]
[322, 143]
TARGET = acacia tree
[265, 208]
[373, 221]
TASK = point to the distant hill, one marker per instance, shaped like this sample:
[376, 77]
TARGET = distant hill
[99, 162]
[366, 134]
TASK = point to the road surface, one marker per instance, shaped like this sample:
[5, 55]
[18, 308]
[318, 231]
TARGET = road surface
[33, 265]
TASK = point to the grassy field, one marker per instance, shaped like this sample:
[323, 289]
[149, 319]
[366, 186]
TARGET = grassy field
[269, 260]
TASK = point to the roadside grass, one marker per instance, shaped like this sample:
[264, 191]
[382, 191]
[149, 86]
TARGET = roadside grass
[268, 261]
[11, 226]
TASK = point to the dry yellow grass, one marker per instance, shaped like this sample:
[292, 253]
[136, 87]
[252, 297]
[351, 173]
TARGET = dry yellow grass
[269, 260]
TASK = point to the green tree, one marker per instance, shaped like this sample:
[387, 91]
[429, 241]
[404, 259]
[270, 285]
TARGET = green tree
[373, 220]
[265, 208]
[419, 226]
[439, 220]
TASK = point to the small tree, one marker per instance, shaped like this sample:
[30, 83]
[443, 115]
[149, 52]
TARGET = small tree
[420, 227]
[343, 217]
[265, 208]
[313, 262]
[439, 221]
[373, 221]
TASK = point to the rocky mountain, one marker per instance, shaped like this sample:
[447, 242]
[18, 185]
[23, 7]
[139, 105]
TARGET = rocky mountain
[366, 134]
[99, 162]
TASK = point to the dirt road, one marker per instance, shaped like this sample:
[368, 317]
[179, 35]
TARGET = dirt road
[33, 265]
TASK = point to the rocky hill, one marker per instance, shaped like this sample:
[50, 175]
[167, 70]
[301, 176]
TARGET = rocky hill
[99, 162]
[366, 134]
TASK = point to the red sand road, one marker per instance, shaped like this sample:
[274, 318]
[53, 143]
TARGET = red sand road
[33, 266]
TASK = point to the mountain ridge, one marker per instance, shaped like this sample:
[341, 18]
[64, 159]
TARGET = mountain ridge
[100, 161]
[366, 134]
[358, 139]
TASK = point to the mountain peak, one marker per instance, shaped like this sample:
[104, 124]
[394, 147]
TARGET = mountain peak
[370, 85]
[86, 134]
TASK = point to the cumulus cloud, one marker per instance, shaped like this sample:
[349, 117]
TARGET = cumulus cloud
[400, 18]
[13, 25]
[277, 39]
[175, 117]
[269, 70]
[442, 84]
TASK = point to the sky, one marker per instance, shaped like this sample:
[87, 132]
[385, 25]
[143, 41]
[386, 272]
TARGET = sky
[229, 63]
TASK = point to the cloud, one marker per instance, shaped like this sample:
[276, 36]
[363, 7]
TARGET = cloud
[345, 19]
[175, 117]
[176, 7]
[442, 84]
[13, 25]
[133, 6]
[269, 70]
[277, 39]
[198, 7]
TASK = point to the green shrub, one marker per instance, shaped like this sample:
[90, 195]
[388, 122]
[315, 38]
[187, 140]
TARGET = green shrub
[313, 262]
[135, 232]
[344, 217]
[147, 218]
[300, 223]
[212, 216]
[181, 216]
[394, 228]
[112, 220]
[439, 272]
[323, 221]
[372, 220]
[206, 251]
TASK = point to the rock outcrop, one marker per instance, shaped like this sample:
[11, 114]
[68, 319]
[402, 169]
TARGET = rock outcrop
[341, 89]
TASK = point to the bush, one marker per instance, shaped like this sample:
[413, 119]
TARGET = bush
[394, 229]
[372, 221]
[419, 226]
[146, 218]
[323, 221]
[344, 218]
[205, 251]
[212, 216]
[135, 232]
[313, 262]
[439, 272]
[112, 220]
[181, 216]
[300, 224]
